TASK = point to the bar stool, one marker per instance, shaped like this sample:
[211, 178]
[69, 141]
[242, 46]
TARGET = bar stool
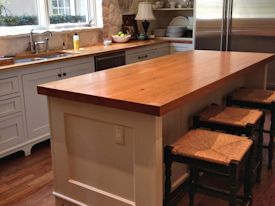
[237, 121]
[261, 99]
[222, 155]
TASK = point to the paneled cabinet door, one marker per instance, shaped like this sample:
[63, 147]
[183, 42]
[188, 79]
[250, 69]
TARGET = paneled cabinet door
[76, 70]
[36, 105]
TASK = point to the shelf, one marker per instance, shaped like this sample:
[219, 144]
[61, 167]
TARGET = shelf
[181, 39]
[174, 9]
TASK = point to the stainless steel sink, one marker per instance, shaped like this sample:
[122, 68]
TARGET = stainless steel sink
[42, 57]
[50, 56]
[24, 60]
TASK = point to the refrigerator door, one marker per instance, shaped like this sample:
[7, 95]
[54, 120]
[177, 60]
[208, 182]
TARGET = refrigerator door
[252, 26]
[210, 24]
[253, 30]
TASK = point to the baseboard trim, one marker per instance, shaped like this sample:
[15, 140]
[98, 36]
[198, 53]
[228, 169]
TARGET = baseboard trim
[102, 192]
[68, 199]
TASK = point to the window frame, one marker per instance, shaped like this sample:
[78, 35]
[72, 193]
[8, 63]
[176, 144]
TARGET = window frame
[90, 12]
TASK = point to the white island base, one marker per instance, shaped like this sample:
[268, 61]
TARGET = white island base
[110, 157]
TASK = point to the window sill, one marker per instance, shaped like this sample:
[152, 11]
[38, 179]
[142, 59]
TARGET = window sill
[25, 32]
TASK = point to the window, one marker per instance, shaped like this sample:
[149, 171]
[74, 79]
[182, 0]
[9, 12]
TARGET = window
[19, 16]
[67, 11]
[60, 7]
[18, 13]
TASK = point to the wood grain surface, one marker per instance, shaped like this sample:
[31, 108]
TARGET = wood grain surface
[160, 85]
[85, 51]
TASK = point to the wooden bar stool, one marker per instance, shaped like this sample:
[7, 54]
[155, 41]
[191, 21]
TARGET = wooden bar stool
[260, 99]
[222, 155]
[239, 121]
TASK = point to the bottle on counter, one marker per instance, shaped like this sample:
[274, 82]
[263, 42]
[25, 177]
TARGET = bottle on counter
[76, 40]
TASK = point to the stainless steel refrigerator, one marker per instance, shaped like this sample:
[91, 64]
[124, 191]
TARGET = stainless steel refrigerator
[237, 25]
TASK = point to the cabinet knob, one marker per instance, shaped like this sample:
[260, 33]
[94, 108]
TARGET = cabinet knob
[59, 75]
[64, 74]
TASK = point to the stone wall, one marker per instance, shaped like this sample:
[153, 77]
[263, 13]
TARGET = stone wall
[112, 20]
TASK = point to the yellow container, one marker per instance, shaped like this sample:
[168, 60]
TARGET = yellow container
[76, 40]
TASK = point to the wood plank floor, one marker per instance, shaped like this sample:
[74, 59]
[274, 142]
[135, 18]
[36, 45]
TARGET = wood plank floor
[28, 181]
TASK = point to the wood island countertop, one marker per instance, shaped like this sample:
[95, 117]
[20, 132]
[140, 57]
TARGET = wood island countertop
[157, 86]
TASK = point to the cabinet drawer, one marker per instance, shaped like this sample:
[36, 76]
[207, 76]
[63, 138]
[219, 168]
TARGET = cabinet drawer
[8, 86]
[133, 58]
[11, 133]
[9, 106]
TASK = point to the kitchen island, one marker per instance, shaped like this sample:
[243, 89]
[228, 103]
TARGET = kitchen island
[109, 128]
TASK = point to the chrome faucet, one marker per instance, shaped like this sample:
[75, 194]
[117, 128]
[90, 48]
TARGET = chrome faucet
[35, 45]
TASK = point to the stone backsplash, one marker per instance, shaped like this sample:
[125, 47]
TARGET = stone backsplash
[112, 20]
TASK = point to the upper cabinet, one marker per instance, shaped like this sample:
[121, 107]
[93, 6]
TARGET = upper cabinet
[175, 21]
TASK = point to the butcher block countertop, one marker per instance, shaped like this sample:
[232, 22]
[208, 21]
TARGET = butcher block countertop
[157, 86]
[85, 51]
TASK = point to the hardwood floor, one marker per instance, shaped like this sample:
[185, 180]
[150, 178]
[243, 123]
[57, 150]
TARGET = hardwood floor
[28, 181]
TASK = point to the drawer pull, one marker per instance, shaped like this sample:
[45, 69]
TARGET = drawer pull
[143, 57]
[59, 75]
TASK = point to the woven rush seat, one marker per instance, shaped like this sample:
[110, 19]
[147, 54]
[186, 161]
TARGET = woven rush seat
[230, 115]
[257, 99]
[212, 146]
[254, 95]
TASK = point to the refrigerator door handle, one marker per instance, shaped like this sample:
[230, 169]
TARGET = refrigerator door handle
[224, 20]
[229, 25]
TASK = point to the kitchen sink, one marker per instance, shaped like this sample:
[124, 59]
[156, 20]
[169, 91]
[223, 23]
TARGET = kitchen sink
[24, 60]
[37, 57]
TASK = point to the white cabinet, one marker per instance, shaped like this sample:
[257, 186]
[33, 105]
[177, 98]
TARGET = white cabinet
[8, 86]
[146, 53]
[24, 113]
[36, 106]
[72, 71]
[11, 115]
[11, 133]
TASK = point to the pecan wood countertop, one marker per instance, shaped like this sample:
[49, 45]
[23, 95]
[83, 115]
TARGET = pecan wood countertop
[160, 85]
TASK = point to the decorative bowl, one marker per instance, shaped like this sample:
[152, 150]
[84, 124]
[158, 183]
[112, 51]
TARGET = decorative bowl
[120, 39]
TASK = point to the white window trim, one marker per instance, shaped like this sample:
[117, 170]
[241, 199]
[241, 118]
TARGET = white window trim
[44, 21]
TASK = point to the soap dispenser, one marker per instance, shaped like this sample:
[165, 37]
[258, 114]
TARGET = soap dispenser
[76, 40]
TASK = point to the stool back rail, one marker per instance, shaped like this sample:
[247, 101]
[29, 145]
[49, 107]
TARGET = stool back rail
[270, 107]
[230, 171]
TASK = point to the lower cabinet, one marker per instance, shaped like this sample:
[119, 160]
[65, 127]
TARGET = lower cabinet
[36, 106]
[11, 134]
[24, 118]
[146, 53]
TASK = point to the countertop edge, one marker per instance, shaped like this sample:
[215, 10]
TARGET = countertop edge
[101, 101]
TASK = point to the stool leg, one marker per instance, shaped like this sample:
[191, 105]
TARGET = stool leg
[168, 165]
[193, 180]
[248, 178]
[260, 148]
[272, 133]
[233, 183]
